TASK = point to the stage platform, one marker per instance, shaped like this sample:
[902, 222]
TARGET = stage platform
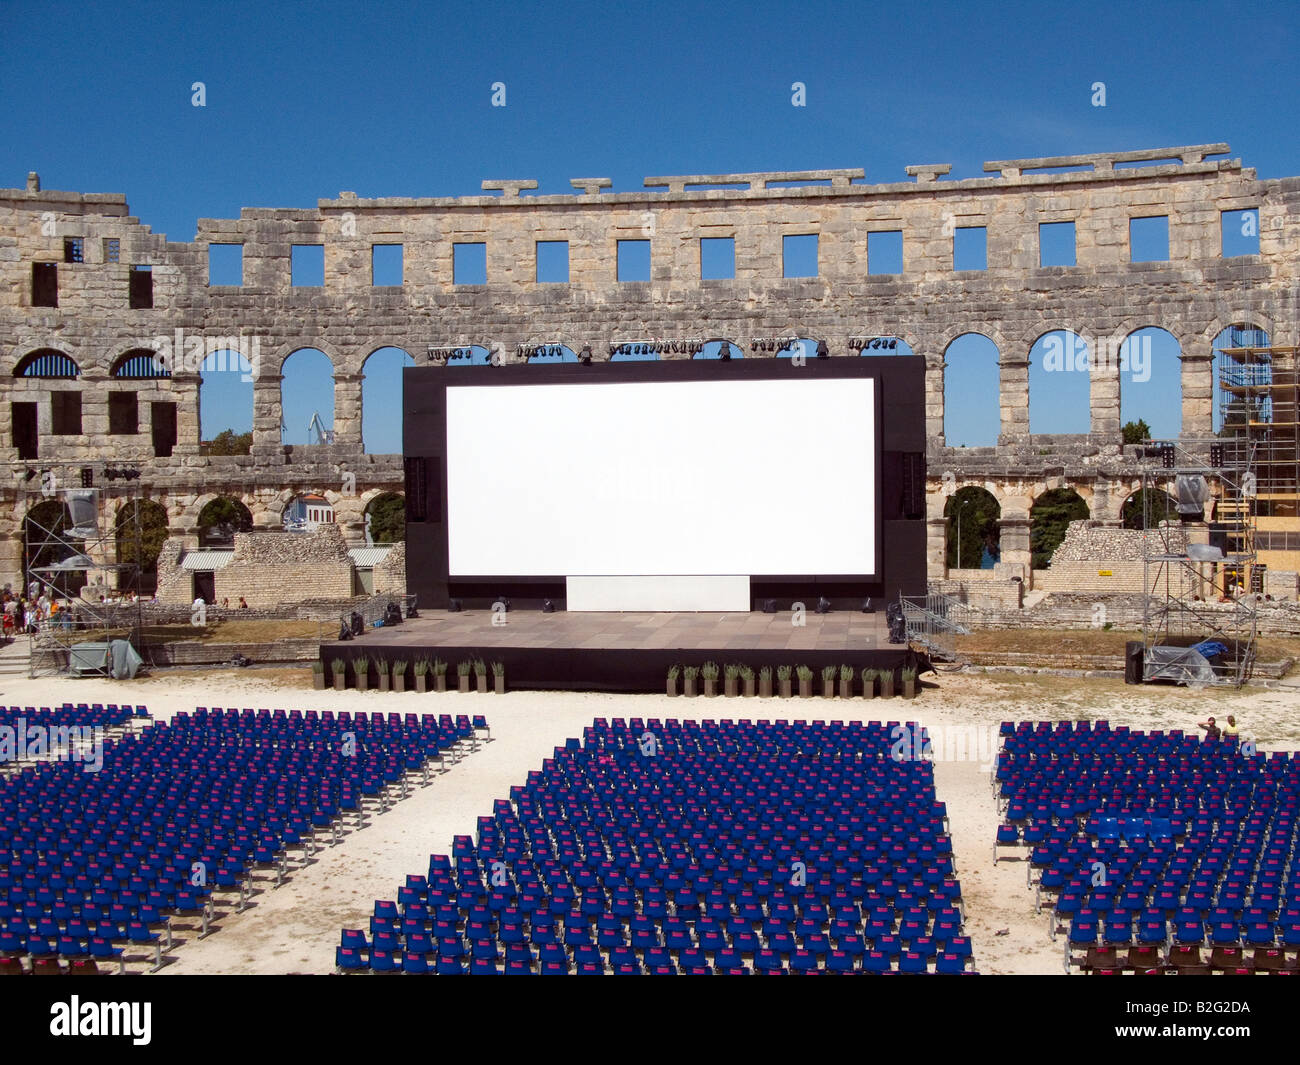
[628, 652]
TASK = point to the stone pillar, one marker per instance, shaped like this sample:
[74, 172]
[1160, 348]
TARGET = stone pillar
[268, 413]
[934, 371]
[1013, 398]
[1103, 398]
[185, 391]
[1017, 559]
[1198, 390]
[94, 406]
[347, 409]
[936, 548]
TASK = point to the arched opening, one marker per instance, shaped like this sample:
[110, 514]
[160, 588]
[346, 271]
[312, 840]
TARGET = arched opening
[974, 536]
[1231, 415]
[307, 512]
[140, 543]
[1150, 374]
[469, 355]
[386, 519]
[226, 402]
[1147, 508]
[48, 363]
[723, 350]
[1049, 517]
[972, 414]
[1060, 396]
[140, 364]
[48, 548]
[307, 398]
[381, 400]
[220, 519]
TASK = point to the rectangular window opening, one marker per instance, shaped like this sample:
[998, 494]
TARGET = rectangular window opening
[123, 414]
[970, 248]
[1239, 232]
[885, 252]
[553, 262]
[74, 250]
[307, 265]
[65, 413]
[141, 291]
[1148, 239]
[226, 264]
[45, 284]
[386, 267]
[634, 260]
[799, 255]
[1056, 244]
[717, 258]
[469, 264]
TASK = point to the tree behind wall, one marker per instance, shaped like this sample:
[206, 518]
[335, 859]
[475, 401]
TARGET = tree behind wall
[1049, 517]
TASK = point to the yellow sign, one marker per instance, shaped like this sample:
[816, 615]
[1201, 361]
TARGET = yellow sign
[1104, 573]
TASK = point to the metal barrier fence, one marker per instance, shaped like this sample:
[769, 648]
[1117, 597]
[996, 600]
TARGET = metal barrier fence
[934, 620]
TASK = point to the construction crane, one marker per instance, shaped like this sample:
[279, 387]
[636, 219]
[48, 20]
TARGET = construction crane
[323, 435]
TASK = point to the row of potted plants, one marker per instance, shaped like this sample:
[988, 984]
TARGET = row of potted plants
[742, 680]
[428, 674]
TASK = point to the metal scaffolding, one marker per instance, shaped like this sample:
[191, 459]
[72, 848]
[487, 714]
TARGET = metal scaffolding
[61, 553]
[1199, 620]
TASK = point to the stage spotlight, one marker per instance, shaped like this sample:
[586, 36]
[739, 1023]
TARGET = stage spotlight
[724, 352]
[548, 607]
[823, 605]
[893, 344]
[769, 606]
[823, 352]
[454, 606]
[584, 356]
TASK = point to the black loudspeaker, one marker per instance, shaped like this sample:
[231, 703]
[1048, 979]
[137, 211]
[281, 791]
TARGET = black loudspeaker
[823, 605]
[454, 606]
[548, 607]
[913, 485]
[417, 489]
[1134, 656]
[866, 605]
[769, 606]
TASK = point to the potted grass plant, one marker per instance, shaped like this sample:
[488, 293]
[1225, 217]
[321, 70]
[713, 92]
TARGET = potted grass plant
[399, 674]
[439, 675]
[462, 676]
[499, 678]
[481, 676]
[869, 683]
[731, 681]
[688, 679]
[828, 681]
[783, 676]
[420, 668]
[673, 673]
[339, 673]
[361, 667]
[846, 682]
[805, 682]
[318, 675]
[709, 671]
[385, 678]
[765, 682]
[747, 681]
[886, 683]
[909, 683]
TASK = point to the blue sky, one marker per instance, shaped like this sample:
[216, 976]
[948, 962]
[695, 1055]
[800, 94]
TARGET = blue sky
[306, 99]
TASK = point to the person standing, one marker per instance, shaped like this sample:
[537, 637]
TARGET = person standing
[1212, 730]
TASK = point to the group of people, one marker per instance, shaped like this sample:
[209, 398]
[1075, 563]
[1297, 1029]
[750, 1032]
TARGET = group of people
[26, 613]
[1213, 731]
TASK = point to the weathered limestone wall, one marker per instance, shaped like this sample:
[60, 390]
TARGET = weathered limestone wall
[390, 573]
[1194, 295]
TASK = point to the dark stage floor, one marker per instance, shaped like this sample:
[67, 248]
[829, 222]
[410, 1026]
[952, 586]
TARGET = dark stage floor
[629, 652]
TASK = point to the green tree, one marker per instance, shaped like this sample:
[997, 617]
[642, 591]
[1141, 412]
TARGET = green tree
[979, 527]
[1136, 432]
[153, 532]
[228, 442]
[221, 519]
[1147, 508]
[1051, 513]
[387, 518]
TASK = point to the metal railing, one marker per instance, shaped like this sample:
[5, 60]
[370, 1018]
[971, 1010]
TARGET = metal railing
[934, 621]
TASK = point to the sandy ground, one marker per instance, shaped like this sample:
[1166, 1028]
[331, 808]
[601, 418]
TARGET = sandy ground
[295, 927]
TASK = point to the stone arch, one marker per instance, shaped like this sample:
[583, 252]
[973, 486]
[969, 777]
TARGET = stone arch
[469, 355]
[1149, 358]
[1225, 338]
[306, 390]
[225, 393]
[552, 354]
[1146, 508]
[381, 395]
[385, 518]
[888, 344]
[967, 423]
[553, 338]
[48, 364]
[45, 543]
[138, 364]
[154, 531]
[218, 519]
[634, 351]
[1049, 515]
[973, 533]
[1060, 375]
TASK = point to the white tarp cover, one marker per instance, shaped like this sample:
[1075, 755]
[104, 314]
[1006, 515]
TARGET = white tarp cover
[1182, 665]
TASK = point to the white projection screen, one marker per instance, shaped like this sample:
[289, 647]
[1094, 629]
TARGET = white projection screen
[676, 479]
